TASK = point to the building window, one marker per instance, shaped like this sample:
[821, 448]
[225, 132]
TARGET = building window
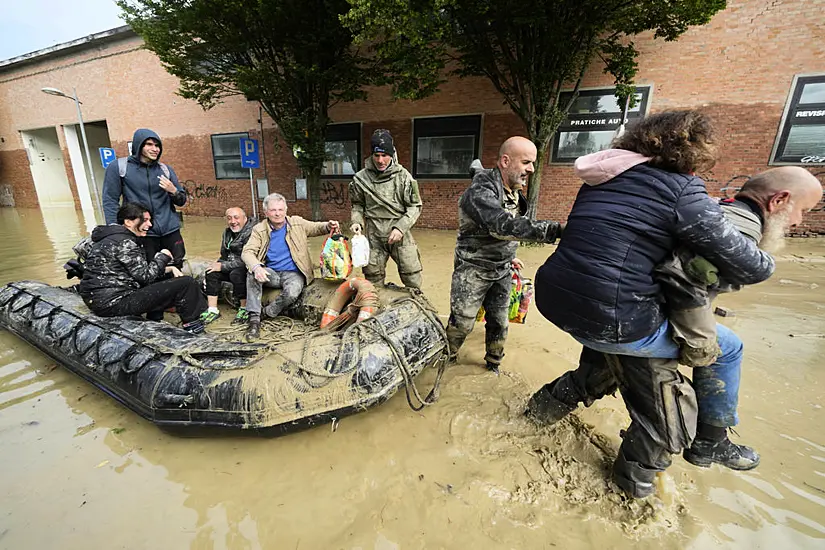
[801, 138]
[592, 122]
[226, 152]
[343, 148]
[445, 146]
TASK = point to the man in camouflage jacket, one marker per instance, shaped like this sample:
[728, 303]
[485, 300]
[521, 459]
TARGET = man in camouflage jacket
[491, 223]
[385, 200]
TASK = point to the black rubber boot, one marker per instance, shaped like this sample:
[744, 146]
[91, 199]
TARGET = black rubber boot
[253, 331]
[633, 478]
[705, 452]
[543, 408]
[492, 367]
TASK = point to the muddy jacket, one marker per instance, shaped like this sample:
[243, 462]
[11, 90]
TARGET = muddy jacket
[141, 185]
[600, 283]
[390, 198]
[297, 231]
[491, 223]
[232, 245]
[116, 266]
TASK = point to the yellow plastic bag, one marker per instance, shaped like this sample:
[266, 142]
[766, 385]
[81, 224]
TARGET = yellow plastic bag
[336, 258]
[521, 295]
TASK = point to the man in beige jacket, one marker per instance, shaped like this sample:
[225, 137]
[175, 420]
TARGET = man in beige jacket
[277, 256]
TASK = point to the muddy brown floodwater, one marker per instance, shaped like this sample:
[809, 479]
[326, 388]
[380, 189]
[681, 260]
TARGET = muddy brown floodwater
[80, 471]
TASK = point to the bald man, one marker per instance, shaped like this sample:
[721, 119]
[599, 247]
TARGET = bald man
[230, 266]
[491, 222]
[764, 209]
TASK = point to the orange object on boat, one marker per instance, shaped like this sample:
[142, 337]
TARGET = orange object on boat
[363, 306]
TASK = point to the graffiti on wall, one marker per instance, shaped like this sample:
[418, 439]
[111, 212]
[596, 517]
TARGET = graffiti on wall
[199, 191]
[334, 192]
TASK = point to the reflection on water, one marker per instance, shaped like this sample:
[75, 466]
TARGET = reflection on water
[79, 471]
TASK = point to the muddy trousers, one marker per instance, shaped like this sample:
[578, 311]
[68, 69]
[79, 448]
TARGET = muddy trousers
[291, 284]
[182, 292]
[236, 276]
[470, 290]
[404, 253]
[661, 403]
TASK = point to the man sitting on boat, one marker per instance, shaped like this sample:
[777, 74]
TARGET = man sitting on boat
[230, 266]
[118, 280]
[277, 256]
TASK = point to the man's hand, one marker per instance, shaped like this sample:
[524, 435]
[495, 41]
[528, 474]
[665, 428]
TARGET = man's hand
[395, 236]
[214, 266]
[167, 185]
[355, 228]
[166, 251]
[260, 274]
[517, 264]
[333, 226]
[174, 271]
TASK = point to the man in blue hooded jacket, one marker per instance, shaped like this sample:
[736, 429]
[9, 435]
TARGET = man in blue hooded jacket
[148, 181]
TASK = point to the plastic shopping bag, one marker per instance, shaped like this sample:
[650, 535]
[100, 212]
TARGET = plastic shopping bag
[360, 251]
[336, 260]
[521, 295]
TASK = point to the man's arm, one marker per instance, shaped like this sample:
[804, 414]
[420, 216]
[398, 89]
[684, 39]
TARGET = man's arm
[133, 258]
[312, 229]
[356, 199]
[412, 203]
[484, 208]
[178, 197]
[703, 228]
[112, 190]
[251, 250]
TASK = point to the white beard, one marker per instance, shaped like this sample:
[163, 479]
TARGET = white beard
[773, 233]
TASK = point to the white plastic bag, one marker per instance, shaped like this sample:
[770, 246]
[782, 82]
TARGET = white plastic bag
[360, 250]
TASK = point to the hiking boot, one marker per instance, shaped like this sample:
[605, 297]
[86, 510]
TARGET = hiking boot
[544, 408]
[209, 317]
[241, 318]
[705, 452]
[194, 327]
[253, 331]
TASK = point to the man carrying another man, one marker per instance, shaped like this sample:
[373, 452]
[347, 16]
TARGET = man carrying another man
[277, 256]
[119, 281]
[491, 221]
[230, 266]
[386, 202]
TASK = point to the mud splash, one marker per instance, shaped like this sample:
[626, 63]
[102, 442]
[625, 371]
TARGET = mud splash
[79, 471]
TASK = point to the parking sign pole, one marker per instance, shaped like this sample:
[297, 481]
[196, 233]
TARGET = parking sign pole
[254, 198]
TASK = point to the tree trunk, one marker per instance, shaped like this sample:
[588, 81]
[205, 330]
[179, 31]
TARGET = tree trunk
[314, 188]
[534, 187]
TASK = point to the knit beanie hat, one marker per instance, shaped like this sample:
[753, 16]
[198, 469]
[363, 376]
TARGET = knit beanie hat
[381, 142]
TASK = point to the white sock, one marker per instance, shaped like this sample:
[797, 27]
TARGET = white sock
[214, 310]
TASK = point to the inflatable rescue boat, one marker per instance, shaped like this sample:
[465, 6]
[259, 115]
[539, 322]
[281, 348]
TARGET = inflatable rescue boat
[184, 382]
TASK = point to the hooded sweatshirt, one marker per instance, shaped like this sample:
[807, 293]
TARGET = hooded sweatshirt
[141, 184]
[116, 266]
[598, 168]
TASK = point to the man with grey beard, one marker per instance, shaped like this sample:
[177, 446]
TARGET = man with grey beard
[764, 209]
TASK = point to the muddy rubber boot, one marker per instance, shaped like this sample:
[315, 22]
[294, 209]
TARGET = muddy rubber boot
[492, 367]
[712, 446]
[633, 478]
[543, 408]
[253, 331]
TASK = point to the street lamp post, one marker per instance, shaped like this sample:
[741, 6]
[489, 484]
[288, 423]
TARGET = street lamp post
[96, 193]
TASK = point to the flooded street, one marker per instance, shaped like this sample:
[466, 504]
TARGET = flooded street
[80, 471]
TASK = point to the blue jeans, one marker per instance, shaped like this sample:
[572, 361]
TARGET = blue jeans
[716, 386]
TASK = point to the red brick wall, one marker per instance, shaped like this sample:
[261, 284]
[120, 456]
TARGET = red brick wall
[15, 172]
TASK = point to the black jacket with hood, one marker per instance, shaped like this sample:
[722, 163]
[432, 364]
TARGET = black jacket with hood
[600, 283]
[141, 185]
[116, 266]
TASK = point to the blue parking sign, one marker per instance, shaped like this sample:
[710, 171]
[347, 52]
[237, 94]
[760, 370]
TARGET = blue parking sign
[249, 153]
[107, 156]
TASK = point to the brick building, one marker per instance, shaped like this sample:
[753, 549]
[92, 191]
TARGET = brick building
[758, 68]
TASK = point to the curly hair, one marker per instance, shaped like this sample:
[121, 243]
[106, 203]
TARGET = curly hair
[677, 141]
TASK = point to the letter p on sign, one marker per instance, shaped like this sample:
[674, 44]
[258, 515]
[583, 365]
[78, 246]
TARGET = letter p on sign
[249, 153]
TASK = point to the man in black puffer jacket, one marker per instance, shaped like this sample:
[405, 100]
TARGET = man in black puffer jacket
[119, 281]
[600, 287]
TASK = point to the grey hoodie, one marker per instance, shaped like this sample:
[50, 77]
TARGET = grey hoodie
[141, 185]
